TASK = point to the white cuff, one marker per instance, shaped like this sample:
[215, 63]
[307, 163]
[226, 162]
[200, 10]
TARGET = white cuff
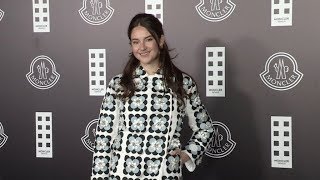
[190, 165]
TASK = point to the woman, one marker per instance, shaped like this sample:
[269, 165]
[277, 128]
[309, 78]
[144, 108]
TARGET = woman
[141, 116]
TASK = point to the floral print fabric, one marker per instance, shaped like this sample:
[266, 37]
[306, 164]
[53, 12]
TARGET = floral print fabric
[134, 138]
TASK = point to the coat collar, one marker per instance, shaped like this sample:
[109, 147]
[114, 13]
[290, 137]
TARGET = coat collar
[141, 72]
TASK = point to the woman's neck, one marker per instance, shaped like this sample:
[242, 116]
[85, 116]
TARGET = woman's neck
[151, 69]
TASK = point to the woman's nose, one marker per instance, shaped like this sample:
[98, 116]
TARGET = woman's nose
[142, 45]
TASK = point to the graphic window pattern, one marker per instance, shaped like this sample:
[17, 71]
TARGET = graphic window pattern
[41, 18]
[281, 142]
[215, 71]
[281, 12]
[44, 134]
[155, 7]
[97, 72]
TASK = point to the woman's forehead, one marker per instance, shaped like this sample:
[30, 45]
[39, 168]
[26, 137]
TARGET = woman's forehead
[139, 32]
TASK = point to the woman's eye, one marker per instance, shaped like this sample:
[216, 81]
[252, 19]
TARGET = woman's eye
[134, 42]
[149, 39]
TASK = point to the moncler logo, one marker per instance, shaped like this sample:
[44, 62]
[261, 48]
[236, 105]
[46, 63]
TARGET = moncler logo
[89, 135]
[96, 12]
[1, 14]
[43, 74]
[281, 72]
[3, 137]
[215, 10]
[221, 144]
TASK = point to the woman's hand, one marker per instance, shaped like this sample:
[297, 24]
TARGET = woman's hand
[183, 156]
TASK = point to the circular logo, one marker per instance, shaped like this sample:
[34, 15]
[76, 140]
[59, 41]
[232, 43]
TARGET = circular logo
[3, 137]
[281, 72]
[90, 134]
[221, 144]
[215, 10]
[96, 12]
[1, 14]
[42, 73]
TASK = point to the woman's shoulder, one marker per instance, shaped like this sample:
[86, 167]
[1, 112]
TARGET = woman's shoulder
[186, 76]
[116, 77]
[188, 81]
[115, 82]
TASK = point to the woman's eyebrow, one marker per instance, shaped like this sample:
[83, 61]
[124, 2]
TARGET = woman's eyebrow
[143, 38]
[148, 36]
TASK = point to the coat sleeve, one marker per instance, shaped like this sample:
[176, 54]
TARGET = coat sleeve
[200, 123]
[106, 131]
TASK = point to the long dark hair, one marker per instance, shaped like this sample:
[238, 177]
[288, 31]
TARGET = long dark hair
[172, 75]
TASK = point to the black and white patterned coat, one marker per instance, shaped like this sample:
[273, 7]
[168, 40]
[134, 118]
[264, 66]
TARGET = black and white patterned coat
[134, 138]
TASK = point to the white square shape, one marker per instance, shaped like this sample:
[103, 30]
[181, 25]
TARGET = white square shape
[97, 72]
[215, 71]
[281, 13]
[41, 16]
[281, 142]
[44, 134]
[155, 7]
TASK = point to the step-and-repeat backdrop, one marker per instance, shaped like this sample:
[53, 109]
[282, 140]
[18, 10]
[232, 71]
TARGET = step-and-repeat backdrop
[256, 64]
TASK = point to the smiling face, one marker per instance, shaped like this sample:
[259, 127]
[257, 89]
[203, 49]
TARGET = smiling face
[144, 46]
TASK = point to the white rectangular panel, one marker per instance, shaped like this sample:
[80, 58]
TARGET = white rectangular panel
[97, 72]
[281, 12]
[41, 16]
[44, 134]
[155, 7]
[281, 142]
[215, 71]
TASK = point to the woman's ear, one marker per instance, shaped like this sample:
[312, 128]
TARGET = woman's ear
[161, 42]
